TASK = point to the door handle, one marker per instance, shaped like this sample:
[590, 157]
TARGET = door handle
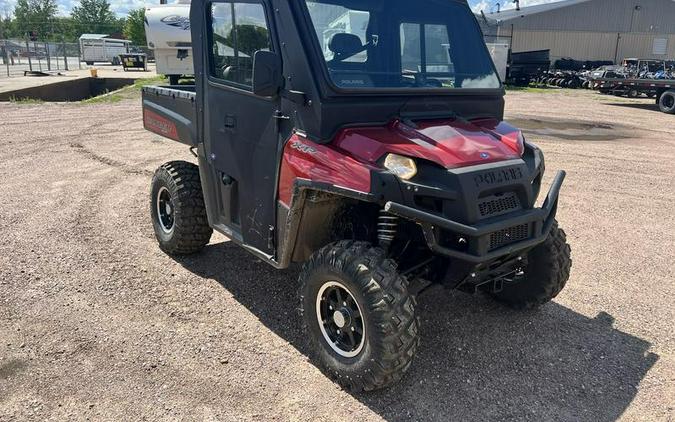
[230, 121]
[280, 116]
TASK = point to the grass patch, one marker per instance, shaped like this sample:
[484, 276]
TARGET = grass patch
[15, 100]
[534, 89]
[128, 92]
[108, 97]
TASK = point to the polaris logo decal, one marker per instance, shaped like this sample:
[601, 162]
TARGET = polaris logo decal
[353, 82]
[498, 177]
[182, 22]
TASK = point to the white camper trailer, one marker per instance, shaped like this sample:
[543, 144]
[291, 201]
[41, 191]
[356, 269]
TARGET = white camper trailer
[99, 48]
[167, 29]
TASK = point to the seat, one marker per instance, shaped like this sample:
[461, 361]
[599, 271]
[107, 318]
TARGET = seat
[347, 74]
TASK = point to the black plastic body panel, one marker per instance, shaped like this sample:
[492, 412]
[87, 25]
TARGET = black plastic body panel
[450, 205]
[469, 236]
[171, 105]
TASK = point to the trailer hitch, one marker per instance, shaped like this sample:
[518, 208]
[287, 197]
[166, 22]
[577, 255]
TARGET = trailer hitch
[493, 276]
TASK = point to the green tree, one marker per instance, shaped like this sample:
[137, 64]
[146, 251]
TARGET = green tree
[95, 17]
[7, 28]
[65, 29]
[35, 15]
[134, 27]
[250, 38]
[118, 27]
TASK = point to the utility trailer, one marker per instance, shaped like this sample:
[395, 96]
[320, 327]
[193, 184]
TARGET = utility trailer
[662, 89]
[526, 65]
[99, 48]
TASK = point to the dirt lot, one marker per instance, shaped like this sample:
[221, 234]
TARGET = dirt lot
[97, 323]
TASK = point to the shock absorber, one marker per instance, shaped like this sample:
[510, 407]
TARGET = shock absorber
[386, 228]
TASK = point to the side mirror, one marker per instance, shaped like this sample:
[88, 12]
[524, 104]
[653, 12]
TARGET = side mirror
[267, 77]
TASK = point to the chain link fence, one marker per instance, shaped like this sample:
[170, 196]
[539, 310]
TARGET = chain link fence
[18, 57]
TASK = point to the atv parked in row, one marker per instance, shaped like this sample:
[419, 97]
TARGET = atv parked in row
[365, 141]
[563, 79]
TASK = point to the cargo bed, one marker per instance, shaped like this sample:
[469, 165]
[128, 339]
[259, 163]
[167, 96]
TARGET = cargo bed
[171, 111]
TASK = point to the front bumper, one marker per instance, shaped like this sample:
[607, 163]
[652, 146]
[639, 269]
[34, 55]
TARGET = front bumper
[485, 241]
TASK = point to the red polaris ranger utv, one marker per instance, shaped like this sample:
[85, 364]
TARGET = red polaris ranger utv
[363, 139]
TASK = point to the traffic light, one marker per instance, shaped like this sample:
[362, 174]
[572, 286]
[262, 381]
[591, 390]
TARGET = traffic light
[33, 35]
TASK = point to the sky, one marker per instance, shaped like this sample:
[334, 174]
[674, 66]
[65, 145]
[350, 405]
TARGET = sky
[122, 7]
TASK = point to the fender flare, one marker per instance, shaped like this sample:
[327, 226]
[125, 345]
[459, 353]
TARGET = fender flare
[289, 218]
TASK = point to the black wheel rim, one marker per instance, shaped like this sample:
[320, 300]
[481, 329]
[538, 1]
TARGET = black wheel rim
[165, 210]
[669, 101]
[340, 319]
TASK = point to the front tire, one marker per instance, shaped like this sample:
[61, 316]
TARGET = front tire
[547, 272]
[358, 316]
[177, 208]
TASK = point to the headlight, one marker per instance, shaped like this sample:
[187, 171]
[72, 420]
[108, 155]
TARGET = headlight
[401, 166]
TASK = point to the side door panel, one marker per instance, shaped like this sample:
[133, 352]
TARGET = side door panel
[242, 133]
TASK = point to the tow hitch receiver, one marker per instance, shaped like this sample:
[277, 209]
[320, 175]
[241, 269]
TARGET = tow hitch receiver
[493, 276]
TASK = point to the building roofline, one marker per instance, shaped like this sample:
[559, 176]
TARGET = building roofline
[511, 14]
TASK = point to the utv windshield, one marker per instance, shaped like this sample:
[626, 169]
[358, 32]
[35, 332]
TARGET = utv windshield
[402, 44]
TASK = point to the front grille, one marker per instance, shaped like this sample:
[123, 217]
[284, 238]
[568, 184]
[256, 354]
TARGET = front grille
[498, 204]
[510, 235]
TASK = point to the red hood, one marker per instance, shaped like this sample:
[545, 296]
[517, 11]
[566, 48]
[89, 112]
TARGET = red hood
[449, 143]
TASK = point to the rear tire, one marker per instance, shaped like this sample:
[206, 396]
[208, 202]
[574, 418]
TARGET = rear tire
[380, 308]
[546, 274]
[667, 102]
[177, 208]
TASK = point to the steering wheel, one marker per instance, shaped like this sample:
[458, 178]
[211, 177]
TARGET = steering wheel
[420, 80]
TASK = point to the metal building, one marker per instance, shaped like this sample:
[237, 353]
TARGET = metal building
[590, 29]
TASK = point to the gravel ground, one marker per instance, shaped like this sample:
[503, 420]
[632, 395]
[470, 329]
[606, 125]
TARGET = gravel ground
[97, 323]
